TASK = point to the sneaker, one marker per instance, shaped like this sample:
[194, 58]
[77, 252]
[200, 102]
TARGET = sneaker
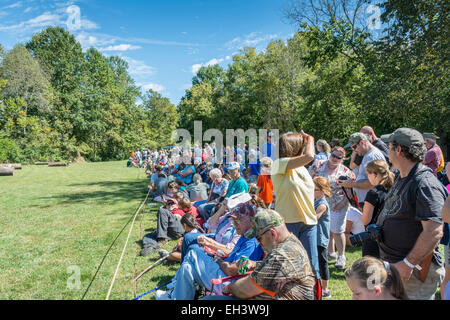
[326, 294]
[162, 242]
[332, 256]
[340, 262]
[163, 295]
[163, 253]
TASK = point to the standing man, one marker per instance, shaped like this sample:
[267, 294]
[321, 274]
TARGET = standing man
[434, 154]
[360, 144]
[269, 148]
[368, 131]
[411, 219]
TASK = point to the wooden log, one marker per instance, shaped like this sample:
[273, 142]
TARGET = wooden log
[41, 163]
[17, 166]
[58, 164]
[6, 171]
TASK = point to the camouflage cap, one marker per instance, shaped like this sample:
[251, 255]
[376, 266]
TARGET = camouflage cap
[404, 137]
[262, 221]
[356, 138]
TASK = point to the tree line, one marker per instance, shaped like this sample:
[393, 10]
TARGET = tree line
[333, 76]
[59, 103]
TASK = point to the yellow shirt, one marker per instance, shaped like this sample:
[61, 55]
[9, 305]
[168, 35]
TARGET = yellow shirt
[294, 191]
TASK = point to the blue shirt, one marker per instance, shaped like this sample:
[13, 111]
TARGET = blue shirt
[188, 178]
[323, 225]
[237, 186]
[249, 248]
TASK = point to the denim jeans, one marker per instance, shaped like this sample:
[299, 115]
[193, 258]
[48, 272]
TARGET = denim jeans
[189, 242]
[197, 267]
[206, 209]
[308, 237]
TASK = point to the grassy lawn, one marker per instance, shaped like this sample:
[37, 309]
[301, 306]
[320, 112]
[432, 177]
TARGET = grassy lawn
[54, 220]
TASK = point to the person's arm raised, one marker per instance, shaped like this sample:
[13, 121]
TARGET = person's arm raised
[304, 159]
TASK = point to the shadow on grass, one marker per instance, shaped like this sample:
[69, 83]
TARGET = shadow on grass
[114, 192]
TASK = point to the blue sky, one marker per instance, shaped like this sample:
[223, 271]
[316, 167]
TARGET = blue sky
[164, 42]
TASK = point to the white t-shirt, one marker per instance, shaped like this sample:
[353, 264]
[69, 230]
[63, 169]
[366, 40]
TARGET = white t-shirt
[354, 215]
[361, 174]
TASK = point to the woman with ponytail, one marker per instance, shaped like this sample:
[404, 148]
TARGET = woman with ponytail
[372, 279]
[382, 178]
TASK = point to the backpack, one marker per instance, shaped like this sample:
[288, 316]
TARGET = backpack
[441, 164]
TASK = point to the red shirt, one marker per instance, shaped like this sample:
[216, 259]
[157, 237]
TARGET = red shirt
[194, 212]
[178, 211]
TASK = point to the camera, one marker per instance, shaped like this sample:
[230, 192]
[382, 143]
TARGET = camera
[373, 232]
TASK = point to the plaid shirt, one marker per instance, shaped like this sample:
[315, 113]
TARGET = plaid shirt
[286, 273]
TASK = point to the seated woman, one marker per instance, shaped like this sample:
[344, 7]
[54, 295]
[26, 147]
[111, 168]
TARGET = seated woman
[171, 190]
[218, 190]
[198, 191]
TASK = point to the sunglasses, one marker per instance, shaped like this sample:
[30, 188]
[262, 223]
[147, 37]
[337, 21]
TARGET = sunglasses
[335, 156]
[260, 236]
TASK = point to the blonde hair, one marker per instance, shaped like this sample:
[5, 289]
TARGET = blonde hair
[324, 145]
[324, 185]
[266, 162]
[363, 269]
[380, 167]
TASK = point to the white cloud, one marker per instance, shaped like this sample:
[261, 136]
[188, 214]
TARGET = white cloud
[121, 47]
[154, 86]
[12, 6]
[211, 62]
[69, 17]
[251, 40]
[139, 68]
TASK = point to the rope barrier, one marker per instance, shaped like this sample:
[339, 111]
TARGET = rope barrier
[163, 285]
[104, 257]
[135, 252]
[124, 247]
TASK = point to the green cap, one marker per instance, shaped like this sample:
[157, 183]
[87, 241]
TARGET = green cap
[431, 136]
[356, 138]
[262, 221]
[404, 136]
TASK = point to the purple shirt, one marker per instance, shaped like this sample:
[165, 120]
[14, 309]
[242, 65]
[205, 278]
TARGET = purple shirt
[433, 158]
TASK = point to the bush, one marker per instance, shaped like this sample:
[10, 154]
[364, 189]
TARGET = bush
[9, 152]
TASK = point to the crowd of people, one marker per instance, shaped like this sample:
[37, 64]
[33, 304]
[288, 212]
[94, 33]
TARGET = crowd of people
[265, 224]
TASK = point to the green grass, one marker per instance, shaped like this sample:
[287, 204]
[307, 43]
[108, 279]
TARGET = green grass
[55, 218]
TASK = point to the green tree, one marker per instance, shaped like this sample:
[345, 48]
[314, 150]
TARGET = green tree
[24, 78]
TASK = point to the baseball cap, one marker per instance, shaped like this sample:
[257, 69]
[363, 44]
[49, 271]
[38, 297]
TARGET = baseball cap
[404, 136]
[356, 138]
[431, 136]
[243, 209]
[234, 166]
[171, 200]
[264, 220]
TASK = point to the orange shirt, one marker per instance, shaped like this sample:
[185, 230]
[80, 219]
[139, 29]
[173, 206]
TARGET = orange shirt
[265, 182]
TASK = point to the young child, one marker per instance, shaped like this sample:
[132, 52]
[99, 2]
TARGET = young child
[188, 207]
[265, 186]
[370, 278]
[322, 189]
[190, 226]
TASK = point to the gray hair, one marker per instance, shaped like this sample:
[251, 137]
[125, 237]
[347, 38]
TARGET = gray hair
[215, 173]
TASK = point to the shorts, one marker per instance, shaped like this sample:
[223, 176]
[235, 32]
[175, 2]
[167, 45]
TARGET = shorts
[447, 256]
[338, 221]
